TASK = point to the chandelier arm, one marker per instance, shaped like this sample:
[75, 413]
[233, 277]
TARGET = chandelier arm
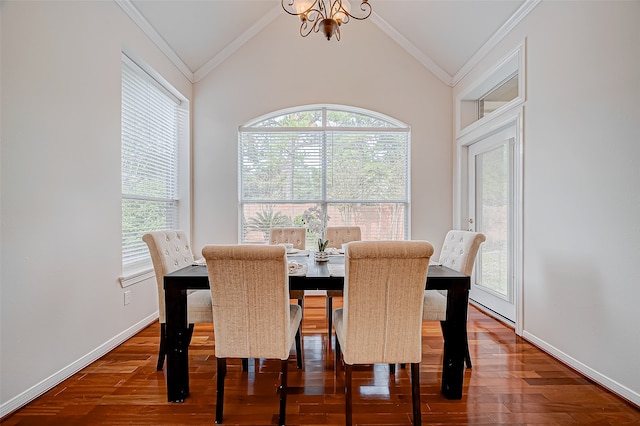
[307, 26]
[365, 7]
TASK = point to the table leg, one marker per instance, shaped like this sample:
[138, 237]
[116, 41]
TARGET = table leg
[177, 345]
[454, 332]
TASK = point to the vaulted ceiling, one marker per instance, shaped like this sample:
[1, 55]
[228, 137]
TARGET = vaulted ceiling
[446, 36]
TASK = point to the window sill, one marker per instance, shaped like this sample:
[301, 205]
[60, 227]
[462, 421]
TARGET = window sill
[137, 276]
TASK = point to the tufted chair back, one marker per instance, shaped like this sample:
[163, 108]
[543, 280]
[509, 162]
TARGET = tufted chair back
[170, 251]
[338, 235]
[252, 314]
[295, 236]
[459, 252]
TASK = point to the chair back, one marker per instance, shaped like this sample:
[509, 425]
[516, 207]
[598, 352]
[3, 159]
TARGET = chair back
[383, 297]
[295, 236]
[338, 235]
[251, 313]
[170, 251]
[459, 250]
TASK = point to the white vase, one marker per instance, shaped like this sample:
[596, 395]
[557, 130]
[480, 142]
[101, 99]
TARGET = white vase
[321, 256]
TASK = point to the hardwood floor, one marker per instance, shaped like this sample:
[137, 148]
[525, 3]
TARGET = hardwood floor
[511, 382]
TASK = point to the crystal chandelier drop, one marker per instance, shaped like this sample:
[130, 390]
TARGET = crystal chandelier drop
[324, 15]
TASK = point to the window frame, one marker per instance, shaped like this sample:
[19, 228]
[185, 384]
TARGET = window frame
[395, 126]
[142, 268]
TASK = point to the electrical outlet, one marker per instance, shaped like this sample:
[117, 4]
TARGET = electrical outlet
[127, 297]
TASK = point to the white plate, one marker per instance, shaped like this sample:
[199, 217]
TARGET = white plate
[292, 251]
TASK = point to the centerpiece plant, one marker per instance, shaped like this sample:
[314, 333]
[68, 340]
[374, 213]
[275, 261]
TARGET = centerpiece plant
[316, 220]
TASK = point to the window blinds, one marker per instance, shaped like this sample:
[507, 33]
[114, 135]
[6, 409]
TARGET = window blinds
[150, 131]
[359, 175]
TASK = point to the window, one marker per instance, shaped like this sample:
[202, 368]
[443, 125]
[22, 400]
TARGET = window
[351, 164]
[152, 121]
[497, 91]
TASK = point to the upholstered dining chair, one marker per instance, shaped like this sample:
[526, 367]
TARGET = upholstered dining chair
[337, 236]
[381, 320]
[252, 314]
[459, 252]
[297, 237]
[170, 251]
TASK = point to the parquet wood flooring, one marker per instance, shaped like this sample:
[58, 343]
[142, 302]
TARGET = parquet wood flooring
[511, 382]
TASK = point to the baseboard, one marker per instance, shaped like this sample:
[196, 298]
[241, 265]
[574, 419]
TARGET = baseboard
[493, 314]
[50, 382]
[604, 381]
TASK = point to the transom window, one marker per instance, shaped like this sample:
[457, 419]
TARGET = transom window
[352, 164]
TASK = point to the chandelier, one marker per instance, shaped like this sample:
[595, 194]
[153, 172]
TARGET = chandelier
[324, 15]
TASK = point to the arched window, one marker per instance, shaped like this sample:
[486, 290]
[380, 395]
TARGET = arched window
[350, 164]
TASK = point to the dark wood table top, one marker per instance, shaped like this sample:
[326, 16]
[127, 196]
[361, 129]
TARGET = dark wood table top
[318, 277]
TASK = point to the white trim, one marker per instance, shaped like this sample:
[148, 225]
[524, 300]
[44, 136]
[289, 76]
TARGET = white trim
[514, 62]
[136, 277]
[156, 38]
[236, 44]
[461, 207]
[56, 378]
[502, 32]
[587, 371]
[420, 56]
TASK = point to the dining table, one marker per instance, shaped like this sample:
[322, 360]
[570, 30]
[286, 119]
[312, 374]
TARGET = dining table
[316, 276]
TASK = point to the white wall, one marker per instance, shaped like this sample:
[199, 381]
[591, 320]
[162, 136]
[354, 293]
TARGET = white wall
[61, 302]
[279, 69]
[581, 201]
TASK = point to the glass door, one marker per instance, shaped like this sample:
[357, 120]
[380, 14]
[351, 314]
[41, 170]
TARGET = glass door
[491, 211]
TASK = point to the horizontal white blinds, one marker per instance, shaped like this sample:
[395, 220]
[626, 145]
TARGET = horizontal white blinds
[329, 165]
[150, 131]
[281, 166]
[358, 175]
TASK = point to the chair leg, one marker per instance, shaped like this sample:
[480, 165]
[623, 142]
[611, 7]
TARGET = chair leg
[299, 348]
[467, 356]
[222, 372]
[336, 359]
[245, 365]
[392, 369]
[189, 333]
[162, 352]
[415, 393]
[283, 391]
[329, 317]
[347, 395]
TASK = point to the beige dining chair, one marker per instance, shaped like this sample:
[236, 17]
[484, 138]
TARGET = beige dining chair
[252, 314]
[170, 251]
[297, 237]
[459, 252]
[337, 236]
[381, 320]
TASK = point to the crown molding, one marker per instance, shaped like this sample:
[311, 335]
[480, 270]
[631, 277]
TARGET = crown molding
[148, 29]
[420, 56]
[236, 44]
[502, 32]
[412, 49]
